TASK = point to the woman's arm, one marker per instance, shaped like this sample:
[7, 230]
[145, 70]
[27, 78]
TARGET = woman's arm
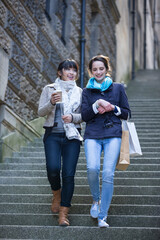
[125, 111]
[87, 108]
[45, 105]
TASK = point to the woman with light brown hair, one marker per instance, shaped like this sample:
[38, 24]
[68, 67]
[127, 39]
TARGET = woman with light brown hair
[104, 104]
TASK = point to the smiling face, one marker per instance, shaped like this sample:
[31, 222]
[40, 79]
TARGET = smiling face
[99, 71]
[69, 74]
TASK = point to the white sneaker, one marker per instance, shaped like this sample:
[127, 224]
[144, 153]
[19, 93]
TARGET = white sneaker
[94, 211]
[102, 223]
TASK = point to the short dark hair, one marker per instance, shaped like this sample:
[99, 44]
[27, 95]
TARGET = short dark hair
[68, 63]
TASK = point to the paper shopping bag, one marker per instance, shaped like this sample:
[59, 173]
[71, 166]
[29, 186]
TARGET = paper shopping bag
[124, 159]
[134, 145]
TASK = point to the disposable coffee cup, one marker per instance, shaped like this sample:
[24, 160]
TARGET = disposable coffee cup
[59, 93]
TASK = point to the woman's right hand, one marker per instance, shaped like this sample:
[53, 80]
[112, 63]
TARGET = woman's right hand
[55, 97]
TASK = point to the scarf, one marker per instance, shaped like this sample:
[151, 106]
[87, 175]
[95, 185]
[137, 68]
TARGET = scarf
[71, 100]
[93, 84]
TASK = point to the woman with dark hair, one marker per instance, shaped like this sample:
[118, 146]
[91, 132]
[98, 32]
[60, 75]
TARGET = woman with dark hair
[104, 104]
[60, 102]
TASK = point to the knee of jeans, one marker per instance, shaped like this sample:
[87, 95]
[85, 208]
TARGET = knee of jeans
[93, 170]
[108, 176]
[68, 179]
[92, 173]
[53, 172]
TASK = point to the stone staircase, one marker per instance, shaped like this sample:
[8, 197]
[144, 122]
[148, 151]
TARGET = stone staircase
[25, 195]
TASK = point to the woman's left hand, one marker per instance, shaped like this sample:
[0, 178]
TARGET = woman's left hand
[67, 118]
[104, 106]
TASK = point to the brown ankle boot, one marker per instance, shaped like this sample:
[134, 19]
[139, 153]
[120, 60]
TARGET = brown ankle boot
[63, 216]
[56, 201]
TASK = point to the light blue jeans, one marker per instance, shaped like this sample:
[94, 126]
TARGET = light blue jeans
[93, 150]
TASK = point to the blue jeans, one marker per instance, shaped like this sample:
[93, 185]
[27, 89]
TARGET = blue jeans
[93, 150]
[57, 146]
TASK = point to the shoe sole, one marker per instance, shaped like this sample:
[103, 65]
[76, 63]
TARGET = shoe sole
[103, 226]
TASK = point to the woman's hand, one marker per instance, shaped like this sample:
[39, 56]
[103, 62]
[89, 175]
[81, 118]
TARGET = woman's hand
[55, 97]
[104, 106]
[67, 118]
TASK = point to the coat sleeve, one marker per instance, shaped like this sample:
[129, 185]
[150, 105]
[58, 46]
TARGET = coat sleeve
[45, 106]
[124, 105]
[77, 116]
[86, 110]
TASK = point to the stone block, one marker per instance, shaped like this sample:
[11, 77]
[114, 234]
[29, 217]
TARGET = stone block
[3, 14]
[14, 27]
[4, 62]
[5, 41]
[36, 56]
[26, 43]
[19, 131]
[19, 57]
[44, 44]
[14, 76]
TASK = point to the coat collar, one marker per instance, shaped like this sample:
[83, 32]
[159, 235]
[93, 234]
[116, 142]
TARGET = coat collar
[97, 90]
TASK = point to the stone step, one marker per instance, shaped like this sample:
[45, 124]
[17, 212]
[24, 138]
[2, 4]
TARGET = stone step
[144, 108]
[42, 172]
[30, 150]
[143, 138]
[79, 199]
[148, 132]
[82, 154]
[149, 140]
[82, 173]
[147, 123]
[79, 181]
[79, 220]
[10, 169]
[79, 189]
[20, 161]
[148, 154]
[144, 118]
[145, 101]
[154, 142]
[115, 209]
[78, 233]
[149, 144]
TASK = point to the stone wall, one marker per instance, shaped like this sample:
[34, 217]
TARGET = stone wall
[33, 41]
[124, 37]
[35, 36]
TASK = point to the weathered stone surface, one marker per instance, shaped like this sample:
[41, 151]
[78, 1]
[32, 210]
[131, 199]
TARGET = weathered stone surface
[14, 27]
[55, 59]
[26, 45]
[31, 5]
[28, 22]
[39, 15]
[38, 47]
[19, 57]
[31, 94]
[36, 56]
[33, 73]
[3, 14]
[49, 70]
[14, 76]
[14, 4]
[4, 61]
[5, 41]
[18, 105]
[43, 43]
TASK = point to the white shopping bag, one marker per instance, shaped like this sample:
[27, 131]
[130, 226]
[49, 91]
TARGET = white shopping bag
[134, 145]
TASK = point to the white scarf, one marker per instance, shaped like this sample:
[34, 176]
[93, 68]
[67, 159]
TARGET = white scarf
[71, 100]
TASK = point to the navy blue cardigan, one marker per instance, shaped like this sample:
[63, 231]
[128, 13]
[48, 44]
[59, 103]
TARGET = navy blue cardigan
[108, 124]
